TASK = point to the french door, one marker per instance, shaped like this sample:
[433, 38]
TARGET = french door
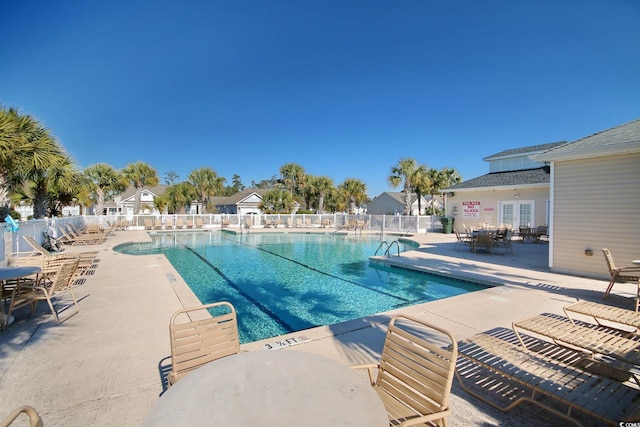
[517, 213]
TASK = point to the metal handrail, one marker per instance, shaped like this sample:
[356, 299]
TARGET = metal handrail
[388, 247]
[383, 243]
[387, 253]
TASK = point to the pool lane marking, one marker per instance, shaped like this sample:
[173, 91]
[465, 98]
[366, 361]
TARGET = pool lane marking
[262, 308]
[324, 272]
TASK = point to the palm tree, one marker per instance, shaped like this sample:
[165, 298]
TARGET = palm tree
[180, 196]
[10, 141]
[103, 181]
[66, 187]
[323, 186]
[41, 158]
[402, 173]
[293, 177]
[354, 192]
[161, 202]
[140, 174]
[28, 154]
[207, 184]
[420, 183]
[443, 178]
[277, 200]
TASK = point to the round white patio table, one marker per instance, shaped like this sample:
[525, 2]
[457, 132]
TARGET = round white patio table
[10, 273]
[270, 388]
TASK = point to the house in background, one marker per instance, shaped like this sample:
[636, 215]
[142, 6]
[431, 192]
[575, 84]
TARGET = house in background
[392, 203]
[514, 193]
[595, 201]
[244, 202]
[122, 204]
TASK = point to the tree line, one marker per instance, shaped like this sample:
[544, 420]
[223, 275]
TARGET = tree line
[35, 169]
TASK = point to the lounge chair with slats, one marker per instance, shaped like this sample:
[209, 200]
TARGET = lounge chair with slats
[496, 369]
[621, 275]
[198, 337]
[50, 262]
[72, 237]
[614, 316]
[415, 375]
[565, 332]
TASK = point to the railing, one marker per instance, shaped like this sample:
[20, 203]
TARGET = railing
[384, 224]
[387, 248]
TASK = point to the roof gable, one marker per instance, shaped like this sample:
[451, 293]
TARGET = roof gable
[622, 139]
[524, 151]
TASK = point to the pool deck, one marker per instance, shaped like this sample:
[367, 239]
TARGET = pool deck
[102, 366]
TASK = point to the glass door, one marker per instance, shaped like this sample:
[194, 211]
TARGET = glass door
[517, 213]
[507, 214]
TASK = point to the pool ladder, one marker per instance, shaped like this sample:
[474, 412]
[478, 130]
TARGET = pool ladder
[387, 247]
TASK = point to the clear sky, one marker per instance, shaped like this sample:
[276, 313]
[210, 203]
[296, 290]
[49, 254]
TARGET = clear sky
[345, 88]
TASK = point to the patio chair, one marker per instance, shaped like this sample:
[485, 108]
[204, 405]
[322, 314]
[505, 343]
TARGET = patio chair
[148, 223]
[34, 418]
[621, 274]
[505, 240]
[483, 240]
[199, 223]
[414, 376]
[60, 284]
[461, 240]
[198, 337]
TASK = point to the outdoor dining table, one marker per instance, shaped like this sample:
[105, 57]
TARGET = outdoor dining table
[13, 273]
[270, 388]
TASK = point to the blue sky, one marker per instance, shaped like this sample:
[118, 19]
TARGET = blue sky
[344, 88]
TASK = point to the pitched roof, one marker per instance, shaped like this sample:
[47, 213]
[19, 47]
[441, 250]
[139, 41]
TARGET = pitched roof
[236, 198]
[156, 189]
[622, 139]
[398, 196]
[527, 177]
[519, 152]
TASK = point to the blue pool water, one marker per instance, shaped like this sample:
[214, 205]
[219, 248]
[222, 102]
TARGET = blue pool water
[282, 283]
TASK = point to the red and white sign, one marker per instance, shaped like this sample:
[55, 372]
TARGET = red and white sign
[471, 209]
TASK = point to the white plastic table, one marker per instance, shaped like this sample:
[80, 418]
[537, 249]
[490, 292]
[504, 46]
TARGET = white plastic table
[10, 273]
[270, 388]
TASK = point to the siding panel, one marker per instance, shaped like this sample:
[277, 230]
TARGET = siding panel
[596, 205]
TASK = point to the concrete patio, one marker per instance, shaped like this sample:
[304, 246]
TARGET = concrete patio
[102, 367]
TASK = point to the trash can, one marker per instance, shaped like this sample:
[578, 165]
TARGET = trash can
[447, 225]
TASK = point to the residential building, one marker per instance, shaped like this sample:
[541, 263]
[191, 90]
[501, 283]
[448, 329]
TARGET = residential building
[595, 201]
[392, 203]
[514, 193]
[243, 202]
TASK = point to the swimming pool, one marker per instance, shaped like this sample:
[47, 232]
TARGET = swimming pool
[286, 282]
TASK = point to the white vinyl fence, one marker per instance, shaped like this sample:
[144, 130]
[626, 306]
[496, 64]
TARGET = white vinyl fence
[13, 241]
